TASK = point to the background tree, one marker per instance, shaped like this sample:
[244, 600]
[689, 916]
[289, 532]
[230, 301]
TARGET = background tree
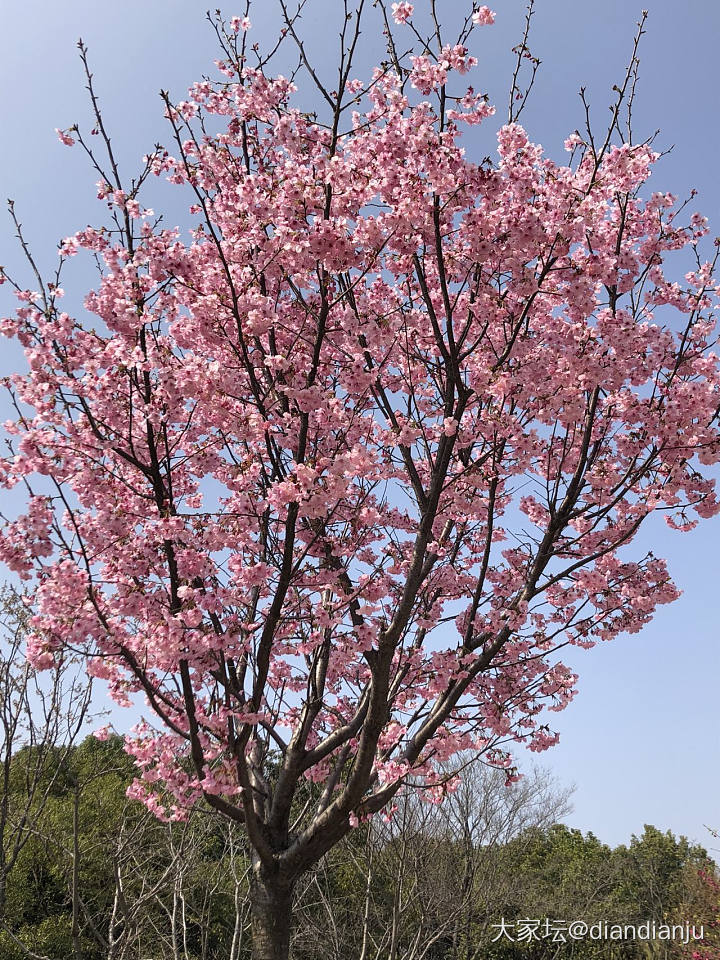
[432, 881]
[339, 474]
[100, 878]
[40, 720]
[428, 880]
[563, 874]
[701, 901]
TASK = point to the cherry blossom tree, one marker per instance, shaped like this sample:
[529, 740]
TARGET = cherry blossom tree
[331, 478]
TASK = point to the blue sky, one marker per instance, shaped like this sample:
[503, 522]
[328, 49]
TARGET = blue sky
[641, 739]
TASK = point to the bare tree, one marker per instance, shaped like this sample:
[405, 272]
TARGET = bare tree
[429, 876]
[41, 718]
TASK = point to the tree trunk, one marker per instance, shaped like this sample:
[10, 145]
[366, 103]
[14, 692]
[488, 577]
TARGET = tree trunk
[271, 902]
[77, 946]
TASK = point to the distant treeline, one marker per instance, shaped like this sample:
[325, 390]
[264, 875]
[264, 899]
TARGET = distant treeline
[88, 874]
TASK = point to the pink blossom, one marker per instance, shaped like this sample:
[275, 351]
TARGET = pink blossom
[484, 16]
[402, 11]
[426, 74]
[238, 24]
[64, 137]
[573, 141]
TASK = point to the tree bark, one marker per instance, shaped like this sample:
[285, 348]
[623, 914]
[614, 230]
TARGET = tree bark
[271, 902]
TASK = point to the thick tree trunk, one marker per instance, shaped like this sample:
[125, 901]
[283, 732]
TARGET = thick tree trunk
[271, 903]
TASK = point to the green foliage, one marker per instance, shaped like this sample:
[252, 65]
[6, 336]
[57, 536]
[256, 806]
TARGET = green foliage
[128, 868]
[421, 885]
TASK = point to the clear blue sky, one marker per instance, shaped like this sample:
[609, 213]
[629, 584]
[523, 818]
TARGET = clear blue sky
[641, 739]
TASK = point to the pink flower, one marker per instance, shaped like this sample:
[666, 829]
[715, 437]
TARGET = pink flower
[43, 661]
[426, 75]
[64, 137]
[573, 141]
[402, 11]
[240, 23]
[484, 17]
